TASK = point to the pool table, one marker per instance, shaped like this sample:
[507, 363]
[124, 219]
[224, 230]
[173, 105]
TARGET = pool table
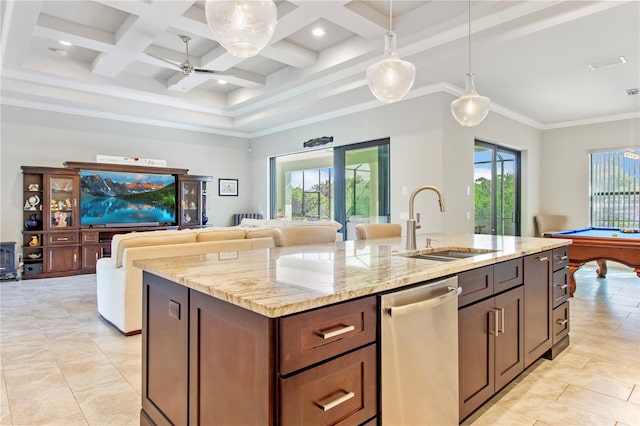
[600, 244]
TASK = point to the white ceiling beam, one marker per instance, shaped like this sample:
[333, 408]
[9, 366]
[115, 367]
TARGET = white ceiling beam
[237, 77]
[194, 22]
[54, 28]
[290, 54]
[359, 18]
[219, 59]
[137, 33]
[296, 19]
[20, 17]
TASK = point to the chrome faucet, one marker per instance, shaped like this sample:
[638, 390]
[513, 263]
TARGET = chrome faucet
[412, 224]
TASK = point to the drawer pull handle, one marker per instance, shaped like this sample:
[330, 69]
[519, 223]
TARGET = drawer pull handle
[335, 331]
[564, 257]
[335, 402]
[562, 322]
[62, 239]
[543, 259]
[564, 286]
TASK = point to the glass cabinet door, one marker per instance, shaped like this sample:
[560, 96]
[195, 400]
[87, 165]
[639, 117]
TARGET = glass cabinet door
[62, 202]
[190, 203]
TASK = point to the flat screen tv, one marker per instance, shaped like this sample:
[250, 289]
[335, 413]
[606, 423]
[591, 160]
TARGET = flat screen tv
[126, 199]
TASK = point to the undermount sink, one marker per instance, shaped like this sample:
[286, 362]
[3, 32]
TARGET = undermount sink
[448, 254]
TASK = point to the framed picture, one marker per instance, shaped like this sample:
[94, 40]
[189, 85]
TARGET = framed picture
[228, 187]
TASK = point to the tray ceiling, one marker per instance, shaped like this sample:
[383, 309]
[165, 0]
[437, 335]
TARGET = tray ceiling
[529, 57]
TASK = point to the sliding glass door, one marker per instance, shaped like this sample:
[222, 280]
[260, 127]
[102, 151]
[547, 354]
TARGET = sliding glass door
[362, 196]
[349, 184]
[497, 190]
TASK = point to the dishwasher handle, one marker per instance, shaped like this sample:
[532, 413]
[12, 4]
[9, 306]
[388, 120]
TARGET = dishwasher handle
[396, 311]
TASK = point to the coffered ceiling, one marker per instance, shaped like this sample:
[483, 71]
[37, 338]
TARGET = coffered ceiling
[530, 57]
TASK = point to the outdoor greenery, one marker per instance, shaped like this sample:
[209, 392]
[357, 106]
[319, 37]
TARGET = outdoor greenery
[314, 203]
[317, 201]
[506, 204]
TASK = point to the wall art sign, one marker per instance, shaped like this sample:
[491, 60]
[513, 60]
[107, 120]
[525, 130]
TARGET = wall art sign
[228, 187]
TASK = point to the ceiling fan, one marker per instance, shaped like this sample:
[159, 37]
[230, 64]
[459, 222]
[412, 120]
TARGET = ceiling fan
[186, 67]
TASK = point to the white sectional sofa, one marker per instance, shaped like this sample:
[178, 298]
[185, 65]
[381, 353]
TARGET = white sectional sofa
[119, 283]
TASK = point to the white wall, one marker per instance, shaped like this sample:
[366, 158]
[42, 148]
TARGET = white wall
[427, 148]
[37, 138]
[458, 149]
[565, 169]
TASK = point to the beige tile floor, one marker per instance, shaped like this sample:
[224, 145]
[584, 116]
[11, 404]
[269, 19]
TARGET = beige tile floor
[61, 364]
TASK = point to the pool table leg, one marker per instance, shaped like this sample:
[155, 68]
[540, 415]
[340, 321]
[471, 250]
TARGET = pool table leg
[602, 268]
[572, 278]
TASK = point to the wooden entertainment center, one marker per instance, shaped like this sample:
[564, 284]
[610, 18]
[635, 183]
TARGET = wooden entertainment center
[56, 244]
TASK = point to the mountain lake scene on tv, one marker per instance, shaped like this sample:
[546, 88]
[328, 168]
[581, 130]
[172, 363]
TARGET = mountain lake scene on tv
[118, 197]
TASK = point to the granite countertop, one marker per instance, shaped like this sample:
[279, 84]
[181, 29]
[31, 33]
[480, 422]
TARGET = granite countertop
[281, 281]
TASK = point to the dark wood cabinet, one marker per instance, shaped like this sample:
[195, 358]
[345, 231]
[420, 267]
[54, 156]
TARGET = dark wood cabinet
[206, 361]
[165, 362]
[509, 341]
[51, 244]
[232, 386]
[538, 307]
[192, 209]
[560, 291]
[54, 244]
[476, 355]
[490, 335]
[62, 259]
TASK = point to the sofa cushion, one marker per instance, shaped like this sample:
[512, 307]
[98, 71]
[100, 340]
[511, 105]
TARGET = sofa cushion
[283, 223]
[301, 235]
[121, 242]
[220, 234]
[260, 232]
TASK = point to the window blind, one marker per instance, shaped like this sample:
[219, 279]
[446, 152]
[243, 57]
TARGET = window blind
[615, 189]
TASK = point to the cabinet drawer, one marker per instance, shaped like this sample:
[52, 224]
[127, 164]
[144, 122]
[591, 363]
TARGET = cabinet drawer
[62, 238]
[560, 257]
[476, 284]
[560, 322]
[311, 337]
[507, 275]
[560, 286]
[341, 391]
[89, 238]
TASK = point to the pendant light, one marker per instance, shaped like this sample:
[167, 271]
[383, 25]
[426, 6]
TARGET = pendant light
[470, 109]
[391, 78]
[243, 27]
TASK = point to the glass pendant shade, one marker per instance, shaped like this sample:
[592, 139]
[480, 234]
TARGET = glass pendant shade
[243, 28]
[390, 79]
[470, 109]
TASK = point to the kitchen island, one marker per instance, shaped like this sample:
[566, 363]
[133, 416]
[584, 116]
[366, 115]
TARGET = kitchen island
[290, 335]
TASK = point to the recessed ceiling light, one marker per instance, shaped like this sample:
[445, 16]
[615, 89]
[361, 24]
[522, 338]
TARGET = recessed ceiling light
[222, 82]
[318, 31]
[607, 63]
[65, 43]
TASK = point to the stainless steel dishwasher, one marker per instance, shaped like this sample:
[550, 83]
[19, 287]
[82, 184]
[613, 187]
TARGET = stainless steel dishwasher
[419, 355]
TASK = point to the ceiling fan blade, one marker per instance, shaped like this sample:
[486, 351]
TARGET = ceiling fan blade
[177, 65]
[205, 71]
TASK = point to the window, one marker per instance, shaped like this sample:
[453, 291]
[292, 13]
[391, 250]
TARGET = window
[615, 189]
